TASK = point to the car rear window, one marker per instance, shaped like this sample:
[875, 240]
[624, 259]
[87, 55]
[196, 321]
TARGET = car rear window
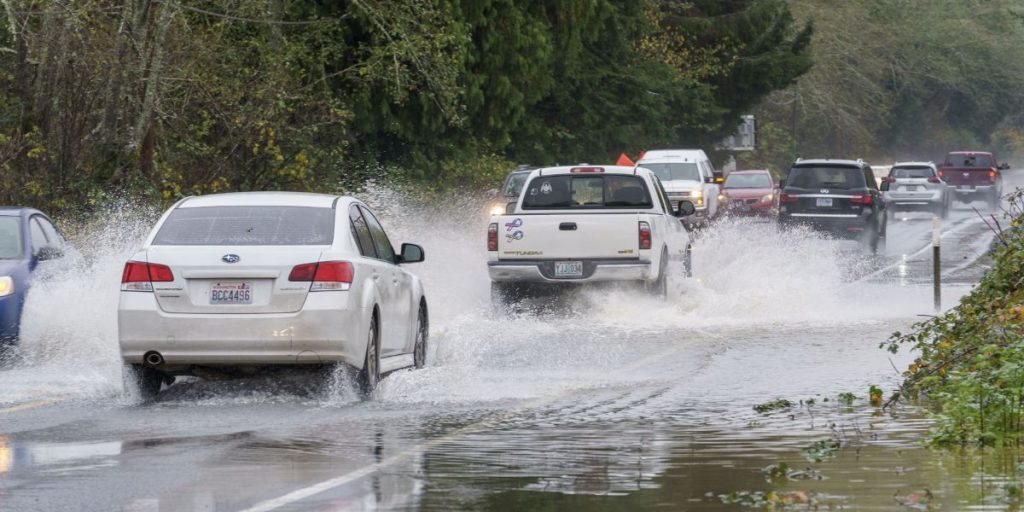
[748, 181]
[826, 176]
[964, 160]
[10, 238]
[583, 192]
[514, 184]
[247, 225]
[912, 172]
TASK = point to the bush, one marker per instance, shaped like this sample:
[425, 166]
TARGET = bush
[971, 364]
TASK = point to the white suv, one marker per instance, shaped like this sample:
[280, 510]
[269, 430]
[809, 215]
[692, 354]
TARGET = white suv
[269, 278]
[687, 174]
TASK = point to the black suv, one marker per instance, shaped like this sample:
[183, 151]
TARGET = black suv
[840, 197]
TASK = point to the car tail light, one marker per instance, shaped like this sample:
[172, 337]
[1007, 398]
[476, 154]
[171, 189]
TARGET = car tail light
[787, 199]
[576, 170]
[992, 174]
[941, 173]
[934, 179]
[326, 275]
[645, 235]
[862, 199]
[304, 272]
[492, 237]
[139, 276]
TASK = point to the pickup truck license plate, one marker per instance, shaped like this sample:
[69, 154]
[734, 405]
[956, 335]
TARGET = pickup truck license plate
[568, 269]
[235, 292]
[824, 201]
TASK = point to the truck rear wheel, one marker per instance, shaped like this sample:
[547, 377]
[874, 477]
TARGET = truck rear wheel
[505, 295]
[659, 288]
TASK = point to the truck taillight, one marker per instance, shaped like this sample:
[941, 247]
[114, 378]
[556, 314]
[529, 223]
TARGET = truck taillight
[992, 174]
[645, 235]
[139, 276]
[787, 199]
[861, 199]
[325, 275]
[492, 237]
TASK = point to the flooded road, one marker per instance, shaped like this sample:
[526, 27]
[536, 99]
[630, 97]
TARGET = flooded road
[615, 401]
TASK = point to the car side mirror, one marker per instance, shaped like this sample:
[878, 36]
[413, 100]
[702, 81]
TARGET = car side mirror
[884, 187]
[709, 179]
[686, 209]
[782, 184]
[510, 208]
[1004, 166]
[412, 253]
[49, 253]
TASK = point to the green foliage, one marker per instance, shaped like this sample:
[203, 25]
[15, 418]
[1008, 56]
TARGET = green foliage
[971, 363]
[821, 450]
[773, 406]
[167, 99]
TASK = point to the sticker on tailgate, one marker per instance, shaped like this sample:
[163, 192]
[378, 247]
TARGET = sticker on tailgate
[511, 233]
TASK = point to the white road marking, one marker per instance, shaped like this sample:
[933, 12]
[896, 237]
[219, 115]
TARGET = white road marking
[927, 247]
[482, 425]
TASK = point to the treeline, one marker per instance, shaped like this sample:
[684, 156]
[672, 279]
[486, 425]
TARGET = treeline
[901, 79]
[173, 97]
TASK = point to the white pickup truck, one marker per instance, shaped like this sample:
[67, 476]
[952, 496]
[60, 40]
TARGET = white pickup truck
[586, 224]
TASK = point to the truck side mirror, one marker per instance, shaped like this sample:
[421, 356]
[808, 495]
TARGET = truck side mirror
[782, 184]
[709, 179]
[686, 209]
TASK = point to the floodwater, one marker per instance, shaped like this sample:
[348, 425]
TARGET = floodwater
[612, 401]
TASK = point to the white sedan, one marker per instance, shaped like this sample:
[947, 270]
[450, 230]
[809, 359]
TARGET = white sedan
[255, 279]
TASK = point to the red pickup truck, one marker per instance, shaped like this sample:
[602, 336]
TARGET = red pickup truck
[974, 175]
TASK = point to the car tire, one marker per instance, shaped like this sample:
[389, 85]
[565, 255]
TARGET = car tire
[145, 379]
[688, 261]
[419, 349]
[369, 376]
[659, 288]
[504, 295]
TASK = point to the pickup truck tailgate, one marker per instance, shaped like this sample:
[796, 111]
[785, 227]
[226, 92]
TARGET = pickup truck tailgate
[576, 236]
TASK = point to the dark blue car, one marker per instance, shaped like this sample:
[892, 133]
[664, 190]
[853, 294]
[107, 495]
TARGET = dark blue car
[27, 238]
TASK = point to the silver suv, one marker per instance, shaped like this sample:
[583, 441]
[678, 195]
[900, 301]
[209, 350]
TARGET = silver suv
[916, 187]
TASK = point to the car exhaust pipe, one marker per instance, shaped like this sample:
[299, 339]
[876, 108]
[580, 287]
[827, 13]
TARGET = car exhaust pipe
[153, 359]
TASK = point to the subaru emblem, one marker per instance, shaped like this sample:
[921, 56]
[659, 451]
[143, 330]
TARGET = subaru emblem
[230, 258]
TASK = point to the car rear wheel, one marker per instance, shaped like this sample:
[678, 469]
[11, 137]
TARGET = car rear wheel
[659, 288]
[147, 380]
[993, 201]
[419, 351]
[369, 376]
[505, 295]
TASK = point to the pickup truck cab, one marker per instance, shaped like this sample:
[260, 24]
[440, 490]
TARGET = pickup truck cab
[586, 224]
[973, 175]
[687, 174]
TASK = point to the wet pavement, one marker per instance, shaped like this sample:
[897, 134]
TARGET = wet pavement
[614, 402]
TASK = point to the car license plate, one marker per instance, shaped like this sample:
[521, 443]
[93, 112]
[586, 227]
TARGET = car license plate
[911, 188]
[235, 292]
[568, 269]
[824, 201]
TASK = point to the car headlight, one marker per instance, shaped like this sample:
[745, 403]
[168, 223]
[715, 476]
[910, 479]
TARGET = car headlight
[6, 286]
[768, 198]
[721, 197]
[497, 210]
